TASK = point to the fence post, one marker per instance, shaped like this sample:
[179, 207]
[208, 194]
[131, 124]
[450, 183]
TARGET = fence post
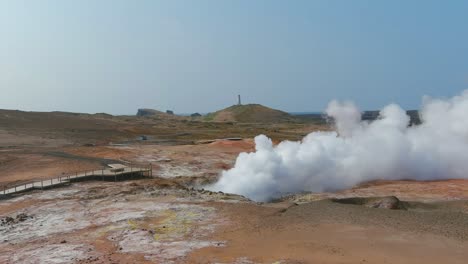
[115, 176]
[102, 174]
[42, 185]
[15, 188]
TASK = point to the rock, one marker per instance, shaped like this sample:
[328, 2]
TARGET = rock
[22, 217]
[181, 134]
[63, 242]
[389, 202]
[8, 220]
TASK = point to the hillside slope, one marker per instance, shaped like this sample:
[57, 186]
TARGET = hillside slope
[149, 112]
[249, 114]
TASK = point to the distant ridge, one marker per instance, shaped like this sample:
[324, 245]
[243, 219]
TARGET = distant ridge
[415, 118]
[149, 112]
[371, 115]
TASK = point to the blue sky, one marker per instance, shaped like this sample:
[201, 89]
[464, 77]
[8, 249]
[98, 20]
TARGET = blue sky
[195, 56]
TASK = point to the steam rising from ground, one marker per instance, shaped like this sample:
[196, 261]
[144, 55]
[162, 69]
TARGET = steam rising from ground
[357, 151]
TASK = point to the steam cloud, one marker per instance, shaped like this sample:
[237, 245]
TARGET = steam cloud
[357, 151]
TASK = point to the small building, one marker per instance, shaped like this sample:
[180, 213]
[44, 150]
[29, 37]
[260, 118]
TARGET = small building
[169, 112]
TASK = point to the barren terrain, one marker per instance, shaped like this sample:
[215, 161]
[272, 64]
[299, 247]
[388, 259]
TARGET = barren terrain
[171, 219]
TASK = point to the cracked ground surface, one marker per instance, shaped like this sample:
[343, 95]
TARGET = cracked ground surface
[162, 221]
[167, 220]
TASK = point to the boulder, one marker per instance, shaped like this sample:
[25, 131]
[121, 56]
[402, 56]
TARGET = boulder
[386, 202]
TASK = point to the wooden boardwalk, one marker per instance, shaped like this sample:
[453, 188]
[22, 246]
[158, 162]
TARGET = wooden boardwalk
[104, 175]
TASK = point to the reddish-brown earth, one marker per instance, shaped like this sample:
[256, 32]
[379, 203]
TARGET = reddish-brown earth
[165, 220]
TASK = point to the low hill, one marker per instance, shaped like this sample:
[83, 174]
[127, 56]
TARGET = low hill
[149, 112]
[251, 113]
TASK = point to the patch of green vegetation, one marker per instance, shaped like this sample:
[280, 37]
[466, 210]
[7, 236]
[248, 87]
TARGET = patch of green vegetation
[133, 225]
[209, 117]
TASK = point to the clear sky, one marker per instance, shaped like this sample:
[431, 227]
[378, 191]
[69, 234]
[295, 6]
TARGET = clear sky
[196, 56]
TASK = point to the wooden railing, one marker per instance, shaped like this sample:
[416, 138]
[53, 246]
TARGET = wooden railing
[103, 174]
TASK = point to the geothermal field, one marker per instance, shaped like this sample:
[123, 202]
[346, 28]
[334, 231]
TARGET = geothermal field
[246, 184]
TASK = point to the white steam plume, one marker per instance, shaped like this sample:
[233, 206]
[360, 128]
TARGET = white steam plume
[359, 151]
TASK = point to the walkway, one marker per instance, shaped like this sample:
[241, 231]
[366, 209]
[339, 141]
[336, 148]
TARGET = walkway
[112, 174]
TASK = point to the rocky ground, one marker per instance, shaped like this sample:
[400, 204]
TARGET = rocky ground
[108, 223]
[171, 219]
[162, 221]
